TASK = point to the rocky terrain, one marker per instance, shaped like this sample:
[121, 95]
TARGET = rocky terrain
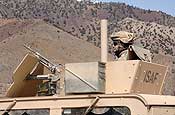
[81, 19]
[61, 24]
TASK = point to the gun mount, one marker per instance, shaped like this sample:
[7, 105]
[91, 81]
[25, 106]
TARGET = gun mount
[102, 87]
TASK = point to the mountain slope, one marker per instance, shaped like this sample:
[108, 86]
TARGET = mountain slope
[81, 19]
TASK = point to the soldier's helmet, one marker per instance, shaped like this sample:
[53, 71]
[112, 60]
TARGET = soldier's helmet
[123, 36]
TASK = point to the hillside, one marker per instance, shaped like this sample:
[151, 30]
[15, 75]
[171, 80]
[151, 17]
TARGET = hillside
[54, 10]
[53, 43]
[81, 19]
[9, 27]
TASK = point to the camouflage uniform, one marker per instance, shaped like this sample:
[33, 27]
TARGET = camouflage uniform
[123, 48]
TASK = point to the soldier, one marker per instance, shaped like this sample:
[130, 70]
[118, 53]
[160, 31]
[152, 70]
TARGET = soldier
[123, 48]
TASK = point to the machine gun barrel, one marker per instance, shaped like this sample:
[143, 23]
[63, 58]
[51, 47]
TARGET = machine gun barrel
[48, 64]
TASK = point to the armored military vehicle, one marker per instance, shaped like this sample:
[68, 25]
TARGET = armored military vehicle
[131, 87]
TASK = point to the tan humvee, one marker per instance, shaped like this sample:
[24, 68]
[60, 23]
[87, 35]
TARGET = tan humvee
[131, 87]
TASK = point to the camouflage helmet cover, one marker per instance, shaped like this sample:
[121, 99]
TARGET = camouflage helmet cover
[123, 36]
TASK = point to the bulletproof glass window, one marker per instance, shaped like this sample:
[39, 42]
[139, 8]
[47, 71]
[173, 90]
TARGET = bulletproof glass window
[26, 112]
[98, 111]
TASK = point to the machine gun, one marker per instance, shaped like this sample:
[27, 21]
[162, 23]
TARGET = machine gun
[47, 88]
[44, 61]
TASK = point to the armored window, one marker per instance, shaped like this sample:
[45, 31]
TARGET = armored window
[26, 112]
[98, 111]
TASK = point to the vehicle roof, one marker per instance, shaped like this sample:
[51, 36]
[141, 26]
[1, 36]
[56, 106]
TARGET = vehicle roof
[147, 99]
